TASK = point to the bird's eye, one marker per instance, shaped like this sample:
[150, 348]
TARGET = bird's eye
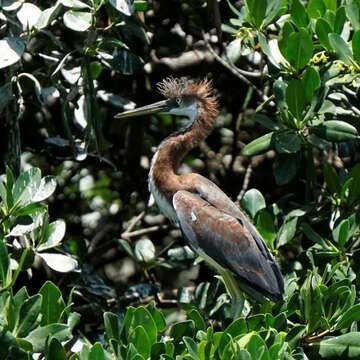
[178, 101]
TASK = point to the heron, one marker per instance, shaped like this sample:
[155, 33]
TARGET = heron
[211, 223]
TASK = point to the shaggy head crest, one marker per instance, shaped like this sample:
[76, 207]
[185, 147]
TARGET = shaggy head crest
[174, 87]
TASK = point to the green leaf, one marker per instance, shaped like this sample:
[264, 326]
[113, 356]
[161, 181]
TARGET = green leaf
[4, 264]
[316, 8]
[198, 320]
[335, 130]
[59, 262]
[265, 121]
[295, 98]
[337, 346]
[97, 352]
[356, 45]
[348, 317]
[342, 49]
[354, 188]
[121, 5]
[46, 188]
[77, 20]
[39, 336]
[323, 29]
[74, 4]
[191, 347]
[52, 303]
[142, 316]
[28, 315]
[340, 19]
[56, 351]
[311, 81]
[286, 167]
[157, 316]
[287, 231]
[352, 10]
[140, 339]
[144, 250]
[253, 201]
[287, 142]
[125, 62]
[183, 328]
[47, 16]
[55, 232]
[298, 49]
[331, 178]
[259, 145]
[272, 10]
[26, 186]
[112, 326]
[298, 14]
[11, 50]
[341, 232]
[266, 227]
[256, 10]
[313, 235]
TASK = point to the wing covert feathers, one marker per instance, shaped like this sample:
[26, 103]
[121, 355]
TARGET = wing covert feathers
[229, 240]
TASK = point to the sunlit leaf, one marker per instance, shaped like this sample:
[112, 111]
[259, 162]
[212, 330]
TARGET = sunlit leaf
[59, 262]
[77, 20]
[253, 201]
[11, 50]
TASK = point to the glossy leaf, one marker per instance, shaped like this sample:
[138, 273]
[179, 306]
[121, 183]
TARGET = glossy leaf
[4, 264]
[29, 312]
[46, 188]
[298, 50]
[337, 346]
[286, 167]
[346, 319]
[259, 145]
[11, 50]
[295, 98]
[253, 201]
[335, 130]
[55, 232]
[257, 10]
[77, 20]
[59, 262]
[56, 351]
[145, 250]
[356, 45]
[39, 336]
[287, 142]
[124, 6]
[298, 14]
[52, 304]
[342, 49]
[311, 81]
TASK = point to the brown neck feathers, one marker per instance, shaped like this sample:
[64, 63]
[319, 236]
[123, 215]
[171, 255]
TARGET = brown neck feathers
[173, 149]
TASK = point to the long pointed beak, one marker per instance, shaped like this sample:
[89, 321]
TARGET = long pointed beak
[157, 107]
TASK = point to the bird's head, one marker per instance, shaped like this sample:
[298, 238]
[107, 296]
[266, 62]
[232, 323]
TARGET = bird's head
[183, 98]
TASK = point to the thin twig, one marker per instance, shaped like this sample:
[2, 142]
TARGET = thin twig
[134, 221]
[245, 186]
[129, 234]
[313, 338]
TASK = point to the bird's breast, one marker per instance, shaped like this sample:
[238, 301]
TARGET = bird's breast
[163, 202]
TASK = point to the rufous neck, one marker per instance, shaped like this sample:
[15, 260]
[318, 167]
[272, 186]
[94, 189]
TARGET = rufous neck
[172, 150]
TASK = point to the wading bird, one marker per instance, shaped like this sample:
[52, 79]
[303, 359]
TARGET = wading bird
[211, 223]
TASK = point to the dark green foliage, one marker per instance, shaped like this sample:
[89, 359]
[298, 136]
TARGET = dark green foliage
[88, 270]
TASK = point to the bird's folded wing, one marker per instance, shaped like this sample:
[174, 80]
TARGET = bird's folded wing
[226, 240]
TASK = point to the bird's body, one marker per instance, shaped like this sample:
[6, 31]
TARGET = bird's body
[211, 223]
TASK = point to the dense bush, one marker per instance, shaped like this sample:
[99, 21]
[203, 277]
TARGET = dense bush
[286, 147]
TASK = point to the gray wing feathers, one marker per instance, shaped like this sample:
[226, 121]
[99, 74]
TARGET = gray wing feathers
[228, 240]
